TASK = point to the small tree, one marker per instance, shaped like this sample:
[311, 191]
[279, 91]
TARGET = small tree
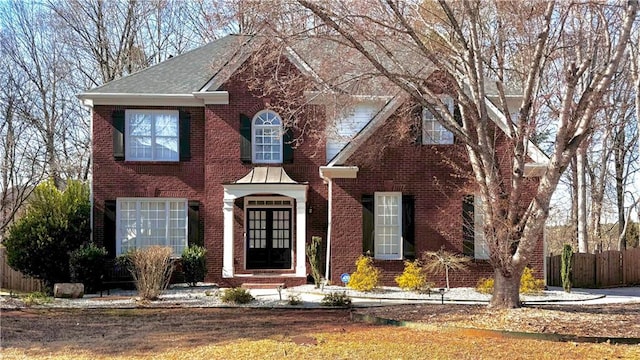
[315, 260]
[444, 261]
[55, 223]
[566, 267]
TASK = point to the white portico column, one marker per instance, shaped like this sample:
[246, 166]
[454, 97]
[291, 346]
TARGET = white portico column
[227, 244]
[301, 235]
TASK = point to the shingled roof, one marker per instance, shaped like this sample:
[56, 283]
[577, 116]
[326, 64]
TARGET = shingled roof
[182, 74]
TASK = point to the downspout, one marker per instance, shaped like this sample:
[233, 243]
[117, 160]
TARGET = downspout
[329, 211]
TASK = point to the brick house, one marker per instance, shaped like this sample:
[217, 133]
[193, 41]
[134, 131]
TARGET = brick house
[184, 152]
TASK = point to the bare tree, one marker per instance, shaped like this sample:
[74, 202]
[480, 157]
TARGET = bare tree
[479, 44]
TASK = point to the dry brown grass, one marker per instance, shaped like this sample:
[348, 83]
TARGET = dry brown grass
[259, 334]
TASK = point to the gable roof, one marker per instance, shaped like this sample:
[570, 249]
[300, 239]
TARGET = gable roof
[182, 74]
[193, 79]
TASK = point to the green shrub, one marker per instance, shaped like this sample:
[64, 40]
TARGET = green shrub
[36, 298]
[151, 268]
[566, 268]
[194, 264]
[366, 277]
[237, 296]
[413, 278]
[87, 265]
[336, 299]
[315, 259]
[54, 224]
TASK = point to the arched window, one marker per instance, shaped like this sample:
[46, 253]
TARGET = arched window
[267, 137]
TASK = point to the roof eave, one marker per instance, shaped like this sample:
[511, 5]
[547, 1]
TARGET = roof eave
[134, 99]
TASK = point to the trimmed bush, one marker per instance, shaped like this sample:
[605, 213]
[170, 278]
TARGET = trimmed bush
[151, 268]
[413, 278]
[366, 277]
[194, 264]
[315, 259]
[336, 299]
[87, 265]
[236, 296]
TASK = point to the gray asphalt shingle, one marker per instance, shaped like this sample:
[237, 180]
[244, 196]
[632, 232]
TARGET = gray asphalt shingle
[181, 74]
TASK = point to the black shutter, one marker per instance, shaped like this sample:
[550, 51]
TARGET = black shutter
[457, 116]
[468, 232]
[185, 133]
[109, 229]
[408, 227]
[416, 127]
[287, 150]
[195, 230]
[117, 121]
[368, 228]
[245, 138]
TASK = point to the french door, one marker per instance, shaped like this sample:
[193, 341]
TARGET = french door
[268, 238]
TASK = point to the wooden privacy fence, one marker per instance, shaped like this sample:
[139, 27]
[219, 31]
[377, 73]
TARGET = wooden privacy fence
[15, 280]
[605, 269]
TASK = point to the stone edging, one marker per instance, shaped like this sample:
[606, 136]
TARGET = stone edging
[370, 319]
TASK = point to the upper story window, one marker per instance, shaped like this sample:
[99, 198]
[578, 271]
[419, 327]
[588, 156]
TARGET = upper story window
[152, 135]
[267, 137]
[433, 133]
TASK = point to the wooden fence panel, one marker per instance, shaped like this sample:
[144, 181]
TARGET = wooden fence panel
[584, 267]
[553, 270]
[606, 269]
[15, 280]
[631, 265]
[609, 268]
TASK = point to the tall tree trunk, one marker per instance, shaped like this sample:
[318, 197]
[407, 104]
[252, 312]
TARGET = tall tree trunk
[619, 156]
[574, 203]
[506, 289]
[581, 162]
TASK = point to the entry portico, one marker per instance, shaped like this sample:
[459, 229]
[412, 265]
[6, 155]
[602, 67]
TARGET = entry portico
[272, 226]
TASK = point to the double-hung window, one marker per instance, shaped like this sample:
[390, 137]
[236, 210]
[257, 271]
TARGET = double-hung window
[267, 138]
[433, 133]
[388, 225]
[143, 222]
[152, 135]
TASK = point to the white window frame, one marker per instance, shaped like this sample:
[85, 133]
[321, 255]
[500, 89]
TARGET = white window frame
[480, 246]
[379, 228]
[121, 233]
[263, 115]
[433, 133]
[130, 156]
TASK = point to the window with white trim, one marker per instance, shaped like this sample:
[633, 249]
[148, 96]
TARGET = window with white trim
[143, 222]
[388, 225]
[152, 135]
[267, 137]
[433, 133]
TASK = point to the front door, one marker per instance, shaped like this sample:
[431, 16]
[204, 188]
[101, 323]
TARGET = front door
[268, 238]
